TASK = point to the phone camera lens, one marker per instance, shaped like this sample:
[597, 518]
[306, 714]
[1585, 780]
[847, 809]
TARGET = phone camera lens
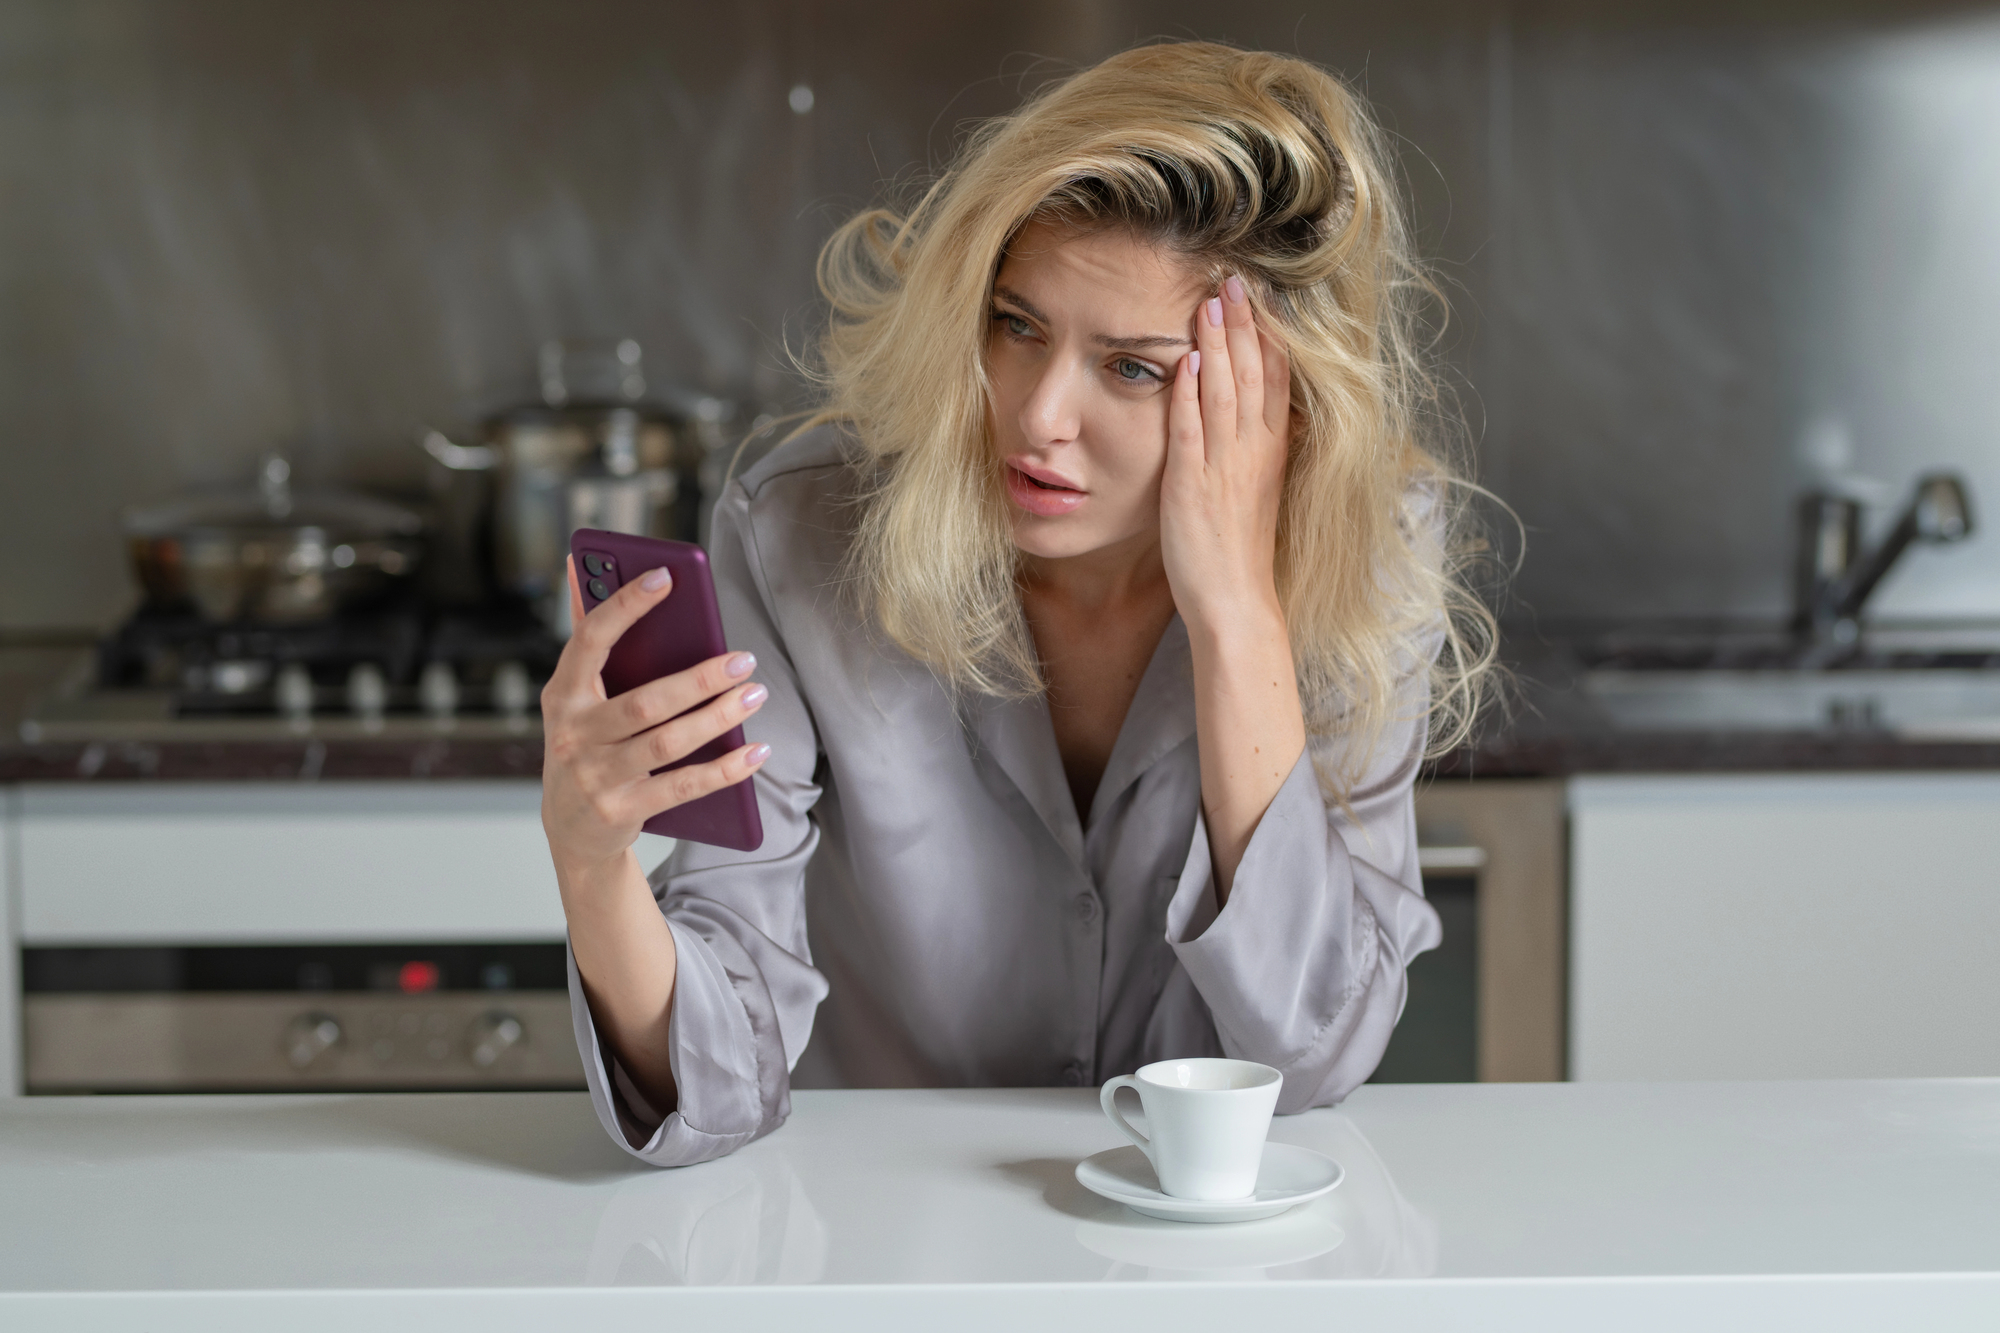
[595, 564]
[598, 590]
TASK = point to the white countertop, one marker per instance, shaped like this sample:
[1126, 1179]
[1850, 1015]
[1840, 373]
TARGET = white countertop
[1533, 1205]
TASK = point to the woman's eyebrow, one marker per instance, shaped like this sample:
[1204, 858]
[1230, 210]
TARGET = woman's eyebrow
[1140, 343]
[1136, 344]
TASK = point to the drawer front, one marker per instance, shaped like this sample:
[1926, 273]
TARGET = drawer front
[239, 862]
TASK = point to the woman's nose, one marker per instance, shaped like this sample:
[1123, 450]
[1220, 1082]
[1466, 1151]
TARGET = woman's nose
[1052, 413]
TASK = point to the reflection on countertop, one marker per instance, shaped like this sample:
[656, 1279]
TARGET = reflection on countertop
[1654, 1185]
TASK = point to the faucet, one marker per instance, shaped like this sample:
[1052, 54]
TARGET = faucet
[1834, 576]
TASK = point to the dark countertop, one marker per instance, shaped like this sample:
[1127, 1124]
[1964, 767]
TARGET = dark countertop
[1550, 731]
[305, 758]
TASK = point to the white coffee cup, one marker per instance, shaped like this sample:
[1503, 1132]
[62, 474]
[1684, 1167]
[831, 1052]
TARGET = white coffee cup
[1208, 1119]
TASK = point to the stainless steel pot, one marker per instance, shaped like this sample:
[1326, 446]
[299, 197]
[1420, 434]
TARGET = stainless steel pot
[611, 462]
[272, 556]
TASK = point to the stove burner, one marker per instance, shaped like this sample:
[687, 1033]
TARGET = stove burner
[398, 658]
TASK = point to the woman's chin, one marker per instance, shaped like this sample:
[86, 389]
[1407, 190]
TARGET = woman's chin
[1052, 539]
[1058, 539]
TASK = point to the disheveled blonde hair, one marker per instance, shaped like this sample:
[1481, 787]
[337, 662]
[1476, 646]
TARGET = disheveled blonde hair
[1239, 162]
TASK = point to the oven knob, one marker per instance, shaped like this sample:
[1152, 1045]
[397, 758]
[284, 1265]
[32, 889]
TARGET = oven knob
[513, 690]
[367, 692]
[308, 1037]
[493, 1035]
[437, 689]
[294, 691]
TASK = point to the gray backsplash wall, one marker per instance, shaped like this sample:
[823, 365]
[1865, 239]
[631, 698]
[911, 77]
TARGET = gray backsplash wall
[1685, 258]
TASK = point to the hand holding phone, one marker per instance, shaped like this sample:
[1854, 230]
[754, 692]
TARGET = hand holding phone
[643, 716]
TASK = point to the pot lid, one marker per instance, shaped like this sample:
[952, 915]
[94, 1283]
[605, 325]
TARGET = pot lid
[274, 507]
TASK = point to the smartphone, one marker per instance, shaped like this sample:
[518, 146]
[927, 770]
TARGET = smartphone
[682, 631]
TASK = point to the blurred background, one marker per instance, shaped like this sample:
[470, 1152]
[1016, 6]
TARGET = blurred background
[322, 324]
[1699, 255]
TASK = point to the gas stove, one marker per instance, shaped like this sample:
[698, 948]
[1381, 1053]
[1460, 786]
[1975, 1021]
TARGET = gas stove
[392, 670]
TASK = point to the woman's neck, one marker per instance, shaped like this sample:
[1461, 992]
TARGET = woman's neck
[1112, 576]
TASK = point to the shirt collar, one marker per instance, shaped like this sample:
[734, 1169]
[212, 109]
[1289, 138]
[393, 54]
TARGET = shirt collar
[1018, 735]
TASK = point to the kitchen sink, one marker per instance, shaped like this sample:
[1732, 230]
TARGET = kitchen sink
[1939, 681]
[1916, 703]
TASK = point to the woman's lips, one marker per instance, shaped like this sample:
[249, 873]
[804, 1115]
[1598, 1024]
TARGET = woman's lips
[1041, 495]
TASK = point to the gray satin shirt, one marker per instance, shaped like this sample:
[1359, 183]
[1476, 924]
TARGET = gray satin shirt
[927, 909]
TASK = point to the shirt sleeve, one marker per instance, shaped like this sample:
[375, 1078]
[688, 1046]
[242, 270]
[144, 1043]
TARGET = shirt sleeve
[1303, 969]
[745, 989]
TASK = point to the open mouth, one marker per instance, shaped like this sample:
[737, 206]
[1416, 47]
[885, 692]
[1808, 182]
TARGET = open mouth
[1041, 495]
[1041, 480]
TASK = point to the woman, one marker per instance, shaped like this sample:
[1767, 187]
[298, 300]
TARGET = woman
[1096, 627]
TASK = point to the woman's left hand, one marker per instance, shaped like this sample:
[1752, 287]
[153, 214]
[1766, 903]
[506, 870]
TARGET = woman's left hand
[1228, 434]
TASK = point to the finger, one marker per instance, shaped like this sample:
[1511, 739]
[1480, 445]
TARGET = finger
[1184, 447]
[569, 684]
[1239, 322]
[674, 741]
[1218, 378]
[641, 709]
[697, 780]
[1277, 387]
[592, 635]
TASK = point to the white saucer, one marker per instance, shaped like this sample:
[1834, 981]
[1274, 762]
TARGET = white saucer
[1288, 1177]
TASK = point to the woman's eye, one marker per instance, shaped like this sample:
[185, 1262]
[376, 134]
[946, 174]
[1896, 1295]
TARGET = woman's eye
[1132, 371]
[1015, 326]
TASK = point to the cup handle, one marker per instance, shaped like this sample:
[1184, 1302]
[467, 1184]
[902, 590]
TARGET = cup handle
[1108, 1099]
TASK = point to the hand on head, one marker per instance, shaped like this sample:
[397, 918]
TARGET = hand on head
[1228, 435]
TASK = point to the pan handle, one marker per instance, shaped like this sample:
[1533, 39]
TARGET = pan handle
[460, 457]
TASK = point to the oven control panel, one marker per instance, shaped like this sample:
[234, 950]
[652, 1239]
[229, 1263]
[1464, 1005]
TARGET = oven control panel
[271, 1043]
[274, 1018]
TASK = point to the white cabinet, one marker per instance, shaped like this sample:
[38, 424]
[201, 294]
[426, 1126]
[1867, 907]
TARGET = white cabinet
[239, 862]
[1809, 926]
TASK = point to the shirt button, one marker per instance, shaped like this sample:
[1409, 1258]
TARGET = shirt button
[1072, 1074]
[1086, 908]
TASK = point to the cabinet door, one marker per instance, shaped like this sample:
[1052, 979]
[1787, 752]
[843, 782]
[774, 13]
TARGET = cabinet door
[1811, 926]
[230, 862]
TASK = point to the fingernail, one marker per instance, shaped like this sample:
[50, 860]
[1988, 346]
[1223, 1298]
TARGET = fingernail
[1194, 363]
[1234, 286]
[655, 580]
[755, 695]
[1215, 311]
[742, 664]
[756, 755]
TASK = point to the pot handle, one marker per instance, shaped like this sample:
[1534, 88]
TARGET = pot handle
[460, 457]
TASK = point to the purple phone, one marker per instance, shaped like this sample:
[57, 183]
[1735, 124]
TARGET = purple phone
[680, 632]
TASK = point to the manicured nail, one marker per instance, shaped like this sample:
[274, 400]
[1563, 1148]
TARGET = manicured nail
[655, 580]
[1194, 363]
[755, 695]
[1234, 286]
[740, 664]
[1215, 311]
[756, 755]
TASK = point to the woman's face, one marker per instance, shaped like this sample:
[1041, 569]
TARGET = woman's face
[1085, 334]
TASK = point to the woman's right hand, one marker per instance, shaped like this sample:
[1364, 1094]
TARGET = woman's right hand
[598, 785]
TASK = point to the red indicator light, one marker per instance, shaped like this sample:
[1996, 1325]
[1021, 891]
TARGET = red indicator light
[415, 978]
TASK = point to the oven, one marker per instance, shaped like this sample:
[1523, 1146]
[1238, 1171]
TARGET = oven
[1490, 1003]
[284, 936]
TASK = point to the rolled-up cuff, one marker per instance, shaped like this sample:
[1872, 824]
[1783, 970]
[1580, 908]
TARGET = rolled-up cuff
[1292, 968]
[718, 1108]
